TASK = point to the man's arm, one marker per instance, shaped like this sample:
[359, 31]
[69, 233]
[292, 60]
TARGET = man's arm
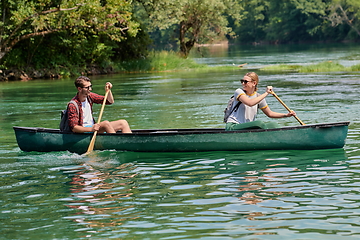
[81, 129]
[110, 97]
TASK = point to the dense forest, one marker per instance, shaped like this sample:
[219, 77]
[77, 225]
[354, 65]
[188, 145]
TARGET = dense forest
[47, 38]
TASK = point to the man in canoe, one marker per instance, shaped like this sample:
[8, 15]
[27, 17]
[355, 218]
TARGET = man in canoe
[244, 117]
[82, 121]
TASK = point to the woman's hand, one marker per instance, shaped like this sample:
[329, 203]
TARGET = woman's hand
[290, 114]
[269, 89]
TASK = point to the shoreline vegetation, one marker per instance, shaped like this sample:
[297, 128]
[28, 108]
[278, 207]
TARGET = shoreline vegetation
[161, 61]
[157, 61]
[328, 66]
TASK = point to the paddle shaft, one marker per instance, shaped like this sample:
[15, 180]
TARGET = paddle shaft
[287, 108]
[92, 142]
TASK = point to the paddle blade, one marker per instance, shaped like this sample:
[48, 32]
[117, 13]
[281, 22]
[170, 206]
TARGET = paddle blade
[92, 144]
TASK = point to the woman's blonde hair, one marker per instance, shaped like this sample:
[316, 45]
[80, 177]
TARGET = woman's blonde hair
[254, 77]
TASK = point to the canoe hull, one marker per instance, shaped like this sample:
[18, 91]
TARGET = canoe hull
[316, 136]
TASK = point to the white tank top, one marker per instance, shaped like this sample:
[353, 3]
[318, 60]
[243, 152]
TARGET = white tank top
[88, 120]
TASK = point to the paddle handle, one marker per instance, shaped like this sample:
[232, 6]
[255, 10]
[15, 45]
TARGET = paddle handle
[92, 142]
[103, 106]
[287, 108]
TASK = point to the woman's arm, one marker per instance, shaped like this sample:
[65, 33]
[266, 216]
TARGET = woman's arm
[253, 101]
[272, 114]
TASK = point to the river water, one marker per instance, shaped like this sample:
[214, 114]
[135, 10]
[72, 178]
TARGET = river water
[208, 195]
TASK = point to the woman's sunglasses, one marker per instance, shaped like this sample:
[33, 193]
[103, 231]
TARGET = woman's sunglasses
[244, 81]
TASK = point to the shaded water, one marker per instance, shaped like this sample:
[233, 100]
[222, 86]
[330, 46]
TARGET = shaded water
[210, 195]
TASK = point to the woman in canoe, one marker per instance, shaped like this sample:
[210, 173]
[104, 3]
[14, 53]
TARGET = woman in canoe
[244, 117]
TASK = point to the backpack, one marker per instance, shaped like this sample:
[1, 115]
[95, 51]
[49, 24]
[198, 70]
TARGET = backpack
[229, 109]
[64, 122]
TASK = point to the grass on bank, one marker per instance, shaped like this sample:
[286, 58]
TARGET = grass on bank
[328, 66]
[158, 62]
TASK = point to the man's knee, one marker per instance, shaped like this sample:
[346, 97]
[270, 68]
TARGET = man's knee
[105, 124]
[122, 125]
[122, 122]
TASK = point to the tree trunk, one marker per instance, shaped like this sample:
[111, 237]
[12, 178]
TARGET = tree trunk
[183, 50]
[348, 21]
[2, 54]
[185, 46]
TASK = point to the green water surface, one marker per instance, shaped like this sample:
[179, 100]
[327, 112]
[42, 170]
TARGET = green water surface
[206, 195]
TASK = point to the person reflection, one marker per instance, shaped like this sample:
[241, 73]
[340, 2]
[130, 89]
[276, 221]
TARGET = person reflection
[257, 184]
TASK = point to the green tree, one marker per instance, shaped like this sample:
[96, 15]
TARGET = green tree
[195, 21]
[28, 19]
[294, 20]
[255, 17]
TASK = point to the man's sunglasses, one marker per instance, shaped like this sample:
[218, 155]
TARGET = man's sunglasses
[88, 87]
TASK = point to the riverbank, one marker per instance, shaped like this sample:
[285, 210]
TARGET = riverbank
[155, 62]
[31, 73]
[161, 62]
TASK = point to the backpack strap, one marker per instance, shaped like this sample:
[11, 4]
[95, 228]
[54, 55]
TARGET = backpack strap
[89, 99]
[75, 104]
[258, 94]
[235, 108]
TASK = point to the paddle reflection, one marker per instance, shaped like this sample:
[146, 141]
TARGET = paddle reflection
[99, 194]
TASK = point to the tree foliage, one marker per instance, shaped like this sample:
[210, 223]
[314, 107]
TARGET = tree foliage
[58, 33]
[195, 21]
[76, 22]
[254, 21]
[281, 21]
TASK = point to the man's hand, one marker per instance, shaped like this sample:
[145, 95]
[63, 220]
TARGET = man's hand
[108, 86]
[95, 127]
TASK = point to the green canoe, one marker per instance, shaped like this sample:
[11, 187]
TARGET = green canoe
[312, 136]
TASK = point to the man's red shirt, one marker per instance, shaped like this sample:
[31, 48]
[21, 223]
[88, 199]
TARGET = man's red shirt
[76, 118]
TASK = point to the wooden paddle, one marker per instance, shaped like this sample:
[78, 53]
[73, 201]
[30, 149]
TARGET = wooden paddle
[276, 96]
[92, 142]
